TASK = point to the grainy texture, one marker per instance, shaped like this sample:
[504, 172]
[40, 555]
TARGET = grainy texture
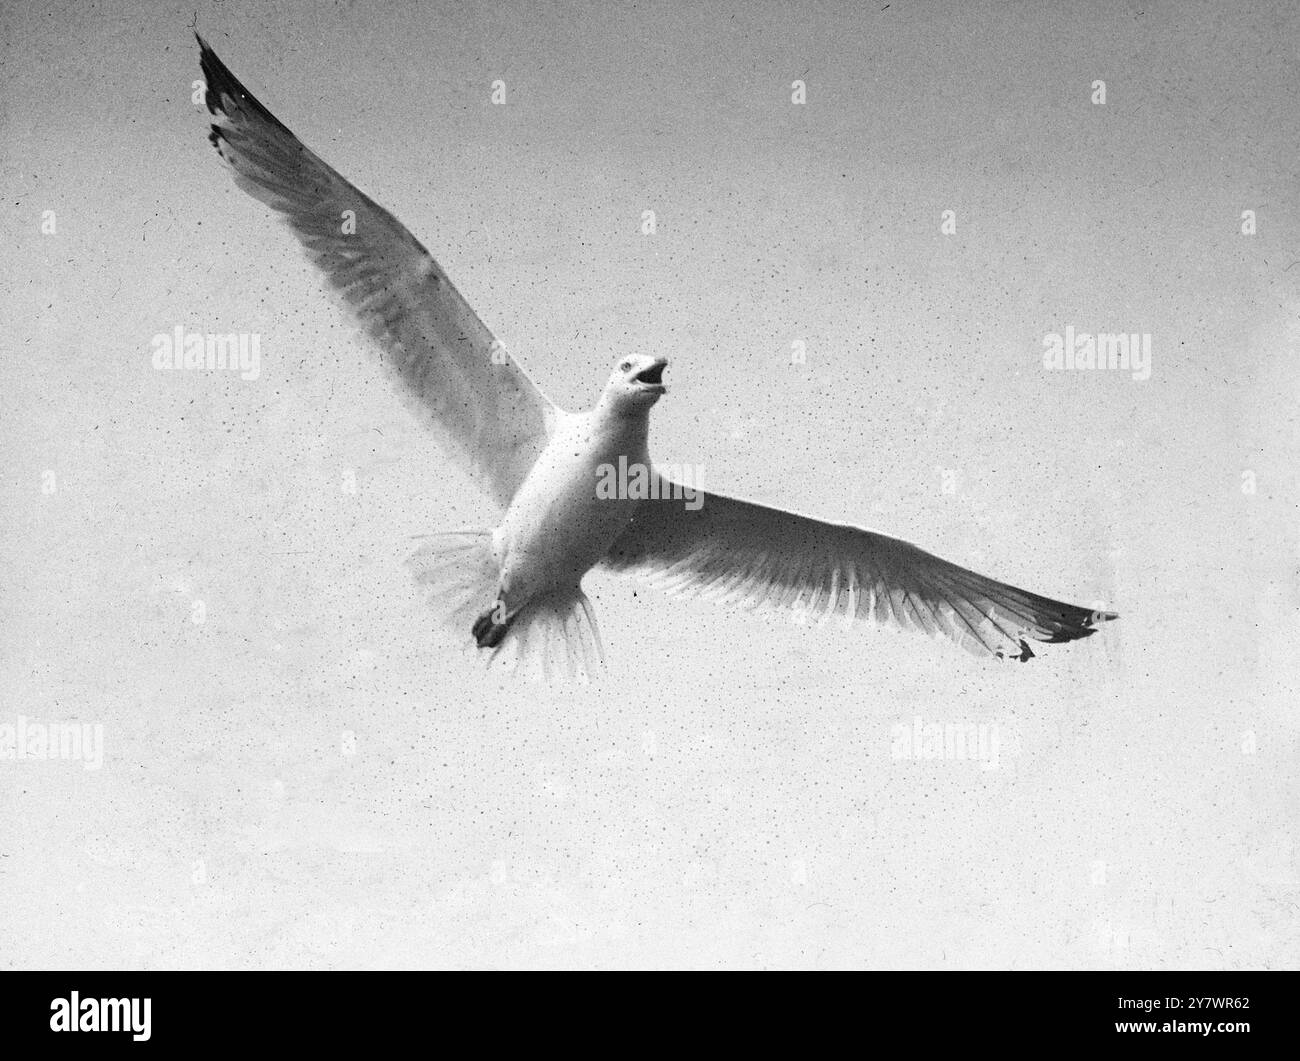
[308, 776]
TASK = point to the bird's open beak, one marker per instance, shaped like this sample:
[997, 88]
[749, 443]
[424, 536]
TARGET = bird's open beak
[654, 375]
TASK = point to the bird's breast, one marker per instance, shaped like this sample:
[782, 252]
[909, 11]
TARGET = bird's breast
[571, 507]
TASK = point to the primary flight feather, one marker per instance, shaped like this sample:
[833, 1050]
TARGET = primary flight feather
[516, 588]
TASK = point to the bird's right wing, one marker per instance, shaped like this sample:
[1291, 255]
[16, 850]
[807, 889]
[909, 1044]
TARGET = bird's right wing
[745, 553]
[491, 418]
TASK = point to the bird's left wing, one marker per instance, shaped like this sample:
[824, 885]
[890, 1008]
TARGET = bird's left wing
[490, 417]
[742, 552]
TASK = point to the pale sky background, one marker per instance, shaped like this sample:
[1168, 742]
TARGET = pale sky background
[310, 776]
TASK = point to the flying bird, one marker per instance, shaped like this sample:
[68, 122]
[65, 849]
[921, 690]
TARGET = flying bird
[515, 590]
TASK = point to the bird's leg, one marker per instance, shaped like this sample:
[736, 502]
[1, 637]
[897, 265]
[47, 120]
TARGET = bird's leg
[490, 628]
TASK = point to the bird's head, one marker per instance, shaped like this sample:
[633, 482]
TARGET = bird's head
[636, 384]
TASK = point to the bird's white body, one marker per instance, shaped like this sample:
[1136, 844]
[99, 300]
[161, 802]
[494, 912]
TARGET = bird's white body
[558, 526]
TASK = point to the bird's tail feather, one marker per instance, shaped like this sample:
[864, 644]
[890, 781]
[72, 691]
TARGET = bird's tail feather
[553, 636]
[460, 570]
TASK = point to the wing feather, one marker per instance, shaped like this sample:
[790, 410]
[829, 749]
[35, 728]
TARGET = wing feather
[491, 418]
[745, 553]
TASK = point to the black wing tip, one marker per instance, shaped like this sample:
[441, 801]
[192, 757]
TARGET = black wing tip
[220, 82]
[1085, 625]
[1079, 627]
[1024, 655]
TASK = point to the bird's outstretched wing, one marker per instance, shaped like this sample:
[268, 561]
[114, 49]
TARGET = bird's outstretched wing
[742, 552]
[489, 415]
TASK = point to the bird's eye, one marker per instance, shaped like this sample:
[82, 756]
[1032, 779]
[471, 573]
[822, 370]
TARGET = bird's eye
[625, 366]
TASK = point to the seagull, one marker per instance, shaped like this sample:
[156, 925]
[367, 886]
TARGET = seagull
[514, 591]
